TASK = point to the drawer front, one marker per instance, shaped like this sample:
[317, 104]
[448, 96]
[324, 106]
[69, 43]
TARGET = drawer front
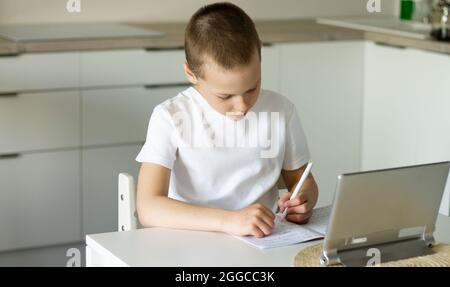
[101, 167]
[39, 72]
[132, 67]
[40, 199]
[120, 115]
[35, 121]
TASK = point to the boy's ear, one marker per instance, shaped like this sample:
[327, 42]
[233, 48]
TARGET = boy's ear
[189, 74]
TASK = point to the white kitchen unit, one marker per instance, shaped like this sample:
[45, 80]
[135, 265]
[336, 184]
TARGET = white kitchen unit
[39, 150]
[40, 199]
[39, 72]
[391, 108]
[406, 111]
[132, 67]
[270, 68]
[121, 115]
[70, 122]
[39, 121]
[100, 170]
[325, 82]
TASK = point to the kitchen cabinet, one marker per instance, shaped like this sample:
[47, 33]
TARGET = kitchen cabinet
[132, 67]
[270, 68]
[406, 111]
[390, 108]
[325, 82]
[64, 118]
[40, 199]
[39, 72]
[121, 115]
[39, 121]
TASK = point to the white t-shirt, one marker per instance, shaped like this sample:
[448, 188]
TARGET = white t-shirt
[218, 162]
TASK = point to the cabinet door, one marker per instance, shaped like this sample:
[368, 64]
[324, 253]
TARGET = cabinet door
[390, 111]
[35, 121]
[270, 68]
[324, 81]
[40, 199]
[406, 109]
[101, 167]
[39, 71]
[120, 115]
[431, 82]
[132, 67]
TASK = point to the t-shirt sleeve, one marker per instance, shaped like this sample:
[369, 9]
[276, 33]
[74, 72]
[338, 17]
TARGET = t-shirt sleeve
[160, 145]
[296, 149]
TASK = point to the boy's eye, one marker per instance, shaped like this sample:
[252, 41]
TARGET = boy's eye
[225, 97]
[251, 91]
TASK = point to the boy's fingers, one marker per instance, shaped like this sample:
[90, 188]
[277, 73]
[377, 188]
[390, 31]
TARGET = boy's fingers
[264, 227]
[299, 217]
[303, 208]
[268, 220]
[283, 198]
[268, 212]
[300, 199]
[257, 232]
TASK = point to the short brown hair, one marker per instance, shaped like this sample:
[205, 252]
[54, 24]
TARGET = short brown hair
[224, 32]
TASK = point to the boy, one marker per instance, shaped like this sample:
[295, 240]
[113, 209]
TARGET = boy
[203, 164]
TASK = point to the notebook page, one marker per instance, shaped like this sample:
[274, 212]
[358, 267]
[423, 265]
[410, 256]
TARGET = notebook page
[288, 233]
[284, 233]
[319, 219]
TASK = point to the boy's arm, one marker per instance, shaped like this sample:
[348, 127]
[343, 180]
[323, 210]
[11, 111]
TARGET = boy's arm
[155, 208]
[300, 208]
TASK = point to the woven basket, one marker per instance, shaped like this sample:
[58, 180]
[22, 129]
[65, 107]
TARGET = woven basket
[309, 257]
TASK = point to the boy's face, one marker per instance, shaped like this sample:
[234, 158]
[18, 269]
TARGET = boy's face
[230, 92]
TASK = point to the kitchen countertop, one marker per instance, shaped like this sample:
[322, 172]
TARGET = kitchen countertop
[7, 47]
[281, 31]
[422, 44]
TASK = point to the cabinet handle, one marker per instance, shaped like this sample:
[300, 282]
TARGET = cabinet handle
[9, 155]
[10, 55]
[164, 49]
[172, 85]
[8, 95]
[390, 45]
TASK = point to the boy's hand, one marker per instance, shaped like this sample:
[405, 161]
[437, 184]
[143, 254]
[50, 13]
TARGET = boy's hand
[300, 208]
[256, 220]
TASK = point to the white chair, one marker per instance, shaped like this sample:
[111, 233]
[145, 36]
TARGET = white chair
[128, 219]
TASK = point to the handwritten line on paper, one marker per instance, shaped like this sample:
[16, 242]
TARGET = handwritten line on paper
[288, 233]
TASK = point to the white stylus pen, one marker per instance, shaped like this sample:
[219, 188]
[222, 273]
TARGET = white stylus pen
[299, 185]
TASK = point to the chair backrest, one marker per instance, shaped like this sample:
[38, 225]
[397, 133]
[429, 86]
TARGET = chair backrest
[127, 203]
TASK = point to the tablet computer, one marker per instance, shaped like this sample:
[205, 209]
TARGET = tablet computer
[389, 213]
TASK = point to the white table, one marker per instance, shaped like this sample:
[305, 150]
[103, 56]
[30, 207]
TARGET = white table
[171, 247]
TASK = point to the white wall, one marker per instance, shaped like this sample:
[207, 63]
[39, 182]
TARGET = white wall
[47, 11]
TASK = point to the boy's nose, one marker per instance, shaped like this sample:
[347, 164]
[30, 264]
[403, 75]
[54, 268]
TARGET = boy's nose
[240, 104]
